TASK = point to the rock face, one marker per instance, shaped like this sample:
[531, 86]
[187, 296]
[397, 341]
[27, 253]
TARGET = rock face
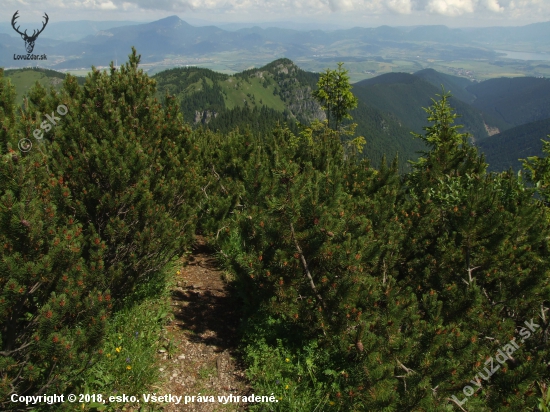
[296, 91]
[491, 130]
[305, 108]
[204, 116]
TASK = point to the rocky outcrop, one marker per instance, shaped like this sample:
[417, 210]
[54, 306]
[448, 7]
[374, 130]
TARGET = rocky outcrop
[306, 110]
[300, 102]
[204, 116]
[491, 130]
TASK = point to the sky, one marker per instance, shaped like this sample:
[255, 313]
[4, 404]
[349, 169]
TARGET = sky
[329, 13]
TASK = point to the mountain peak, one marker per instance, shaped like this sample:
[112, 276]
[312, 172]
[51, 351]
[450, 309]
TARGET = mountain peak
[171, 22]
[170, 19]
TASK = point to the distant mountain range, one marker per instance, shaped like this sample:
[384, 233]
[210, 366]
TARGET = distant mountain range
[171, 36]
[70, 30]
[506, 117]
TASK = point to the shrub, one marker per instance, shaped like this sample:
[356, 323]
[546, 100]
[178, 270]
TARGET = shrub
[404, 286]
[53, 302]
[88, 221]
[129, 164]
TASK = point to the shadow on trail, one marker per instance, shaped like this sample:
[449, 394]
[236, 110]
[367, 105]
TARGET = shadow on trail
[206, 307]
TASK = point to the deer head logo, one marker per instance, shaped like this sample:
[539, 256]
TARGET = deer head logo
[29, 40]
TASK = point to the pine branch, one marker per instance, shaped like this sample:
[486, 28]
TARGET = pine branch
[470, 270]
[204, 189]
[219, 180]
[306, 267]
[408, 370]
[9, 352]
[457, 404]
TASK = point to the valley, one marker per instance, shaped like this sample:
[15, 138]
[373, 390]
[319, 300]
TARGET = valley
[364, 66]
[367, 51]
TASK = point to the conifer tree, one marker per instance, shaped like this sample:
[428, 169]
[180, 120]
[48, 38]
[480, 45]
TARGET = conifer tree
[309, 243]
[53, 302]
[406, 286]
[450, 151]
[538, 171]
[223, 161]
[335, 96]
[476, 250]
[131, 168]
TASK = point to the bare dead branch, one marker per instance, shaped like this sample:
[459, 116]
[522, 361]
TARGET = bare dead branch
[305, 265]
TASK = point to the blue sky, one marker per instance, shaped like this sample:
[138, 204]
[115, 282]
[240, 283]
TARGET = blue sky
[332, 13]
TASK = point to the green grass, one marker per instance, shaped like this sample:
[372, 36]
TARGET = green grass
[79, 72]
[197, 86]
[24, 79]
[297, 373]
[207, 372]
[237, 90]
[128, 362]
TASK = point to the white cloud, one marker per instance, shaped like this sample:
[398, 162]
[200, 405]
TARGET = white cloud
[400, 6]
[128, 6]
[108, 5]
[450, 7]
[345, 11]
[340, 5]
[494, 6]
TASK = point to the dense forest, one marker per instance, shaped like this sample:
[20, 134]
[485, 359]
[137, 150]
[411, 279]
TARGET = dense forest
[360, 288]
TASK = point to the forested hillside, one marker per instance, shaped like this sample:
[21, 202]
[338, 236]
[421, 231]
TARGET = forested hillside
[358, 288]
[515, 101]
[456, 85]
[205, 94]
[386, 135]
[504, 150]
[278, 93]
[405, 95]
[390, 106]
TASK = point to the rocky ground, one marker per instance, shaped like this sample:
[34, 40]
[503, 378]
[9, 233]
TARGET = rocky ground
[200, 358]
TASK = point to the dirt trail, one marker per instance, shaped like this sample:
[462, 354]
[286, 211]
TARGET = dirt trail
[203, 337]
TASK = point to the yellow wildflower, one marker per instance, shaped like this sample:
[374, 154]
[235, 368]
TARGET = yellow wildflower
[286, 387]
[128, 367]
[118, 349]
[288, 360]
